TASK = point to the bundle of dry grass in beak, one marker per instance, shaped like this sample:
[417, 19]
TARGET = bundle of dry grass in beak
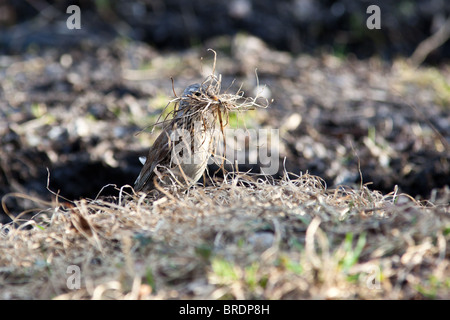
[181, 152]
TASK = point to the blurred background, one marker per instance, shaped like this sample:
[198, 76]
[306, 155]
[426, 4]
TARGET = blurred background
[350, 102]
[296, 26]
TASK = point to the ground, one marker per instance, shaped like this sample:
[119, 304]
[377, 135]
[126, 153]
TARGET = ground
[77, 113]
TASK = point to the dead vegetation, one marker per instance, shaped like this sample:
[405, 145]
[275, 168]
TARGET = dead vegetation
[244, 238]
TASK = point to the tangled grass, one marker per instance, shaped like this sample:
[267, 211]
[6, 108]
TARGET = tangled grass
[210, 96]
[244, 238]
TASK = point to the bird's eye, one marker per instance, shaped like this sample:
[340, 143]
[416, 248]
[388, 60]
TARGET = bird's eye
[198, 94]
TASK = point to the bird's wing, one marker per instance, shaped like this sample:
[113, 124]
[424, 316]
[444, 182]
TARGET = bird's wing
[156, 155]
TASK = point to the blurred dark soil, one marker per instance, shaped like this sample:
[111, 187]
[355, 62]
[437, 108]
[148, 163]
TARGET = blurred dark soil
[298, 26]
[74, 106]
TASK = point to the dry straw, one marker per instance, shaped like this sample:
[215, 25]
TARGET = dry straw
[242, 238]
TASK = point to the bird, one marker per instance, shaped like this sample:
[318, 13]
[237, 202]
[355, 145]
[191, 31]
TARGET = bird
[180, 153]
